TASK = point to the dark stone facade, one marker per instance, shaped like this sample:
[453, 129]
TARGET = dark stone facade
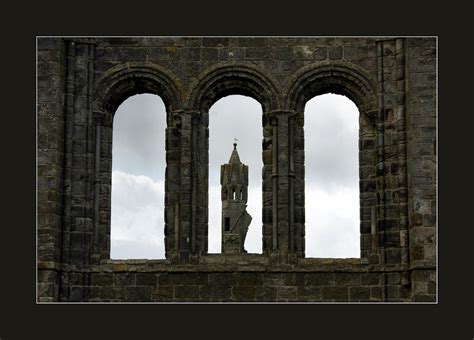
[82, 81]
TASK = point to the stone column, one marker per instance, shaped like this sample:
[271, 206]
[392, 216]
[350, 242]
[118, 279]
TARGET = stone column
[183, 230]
[200, 183]
[269, 175]
[283, 176]
[77, 237]
[172, 185]
[297, 176]
[52, 52]
[186, 186]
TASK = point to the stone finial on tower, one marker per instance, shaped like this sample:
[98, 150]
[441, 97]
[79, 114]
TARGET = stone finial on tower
[235, 219]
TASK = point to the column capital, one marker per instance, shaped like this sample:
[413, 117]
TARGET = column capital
[280, 112]
[102, 118]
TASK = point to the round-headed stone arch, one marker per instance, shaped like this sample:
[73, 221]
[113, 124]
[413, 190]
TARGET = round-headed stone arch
[222, 80]
[216, 82]
[332, 77]
[112, 89]
[125, 80]
[346, 79]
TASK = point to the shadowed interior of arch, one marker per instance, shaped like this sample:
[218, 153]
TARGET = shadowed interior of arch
[138, 173]
[236, 117]
[332, 177]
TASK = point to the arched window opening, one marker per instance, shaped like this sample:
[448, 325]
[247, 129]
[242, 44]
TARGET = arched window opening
[138, 176]
[332, 177]
[236, 119]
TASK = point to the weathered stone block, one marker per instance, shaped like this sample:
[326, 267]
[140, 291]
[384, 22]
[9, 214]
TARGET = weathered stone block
[244, 293]
[229, 279]
[266, 293]
[124, 279]
[183, 279]
[138, 293]
[393, 256]
[423, 275]
[309, 293]
[359, 293]
[335, 293]
[286, 293]
[216, 293]
[278, 279]
[163, 293]
[230, 54]
[320, 279]
[252, 53]
[186, 293]
[347, 279]
[249, 279]
[335, 52]
[393, 293]
[376, 293]
[146, 279]
[424, 298]
[370, 279]
[393, 278]
[102, 279]
[110, 293]
[420, 236]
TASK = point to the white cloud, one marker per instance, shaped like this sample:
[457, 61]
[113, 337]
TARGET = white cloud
[332, 222]
[137, 222]
[332, 177]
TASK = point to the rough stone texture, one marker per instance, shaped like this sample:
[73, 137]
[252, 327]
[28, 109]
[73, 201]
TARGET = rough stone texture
[82, 81]
[421, 153]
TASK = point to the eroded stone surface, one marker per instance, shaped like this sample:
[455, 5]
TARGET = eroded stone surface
[81, 81]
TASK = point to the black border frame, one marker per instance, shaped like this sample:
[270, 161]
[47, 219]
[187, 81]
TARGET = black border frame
[453, 24]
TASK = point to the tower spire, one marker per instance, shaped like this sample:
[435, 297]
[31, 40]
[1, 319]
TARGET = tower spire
[234, 157]
[235, 219]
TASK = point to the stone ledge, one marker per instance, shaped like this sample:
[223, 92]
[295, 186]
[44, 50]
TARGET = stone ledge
[320, 261]
[422, 265]
[233, 259]
[48, 265]
[156, 266]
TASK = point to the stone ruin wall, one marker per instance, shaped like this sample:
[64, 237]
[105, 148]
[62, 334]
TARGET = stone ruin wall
[81, 81]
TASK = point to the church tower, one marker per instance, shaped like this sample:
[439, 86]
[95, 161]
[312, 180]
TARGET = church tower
[235, 219]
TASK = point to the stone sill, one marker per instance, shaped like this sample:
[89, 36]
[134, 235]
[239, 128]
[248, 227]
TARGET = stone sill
[332, 261]
[423, 265]
[234, 263]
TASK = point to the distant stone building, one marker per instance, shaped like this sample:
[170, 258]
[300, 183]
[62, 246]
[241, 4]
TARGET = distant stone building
[235, 218]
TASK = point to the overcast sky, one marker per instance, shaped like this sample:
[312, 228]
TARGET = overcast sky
[332, 199]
